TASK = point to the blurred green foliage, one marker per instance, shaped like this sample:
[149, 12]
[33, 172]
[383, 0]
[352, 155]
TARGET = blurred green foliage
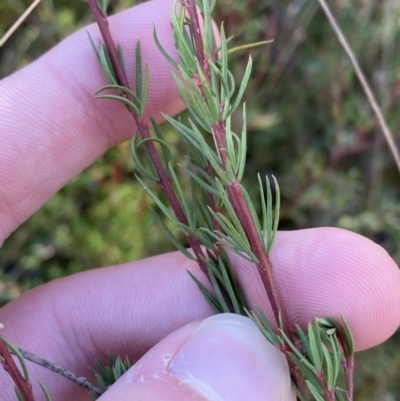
[309, 124]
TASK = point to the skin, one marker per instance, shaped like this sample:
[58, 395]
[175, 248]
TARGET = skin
[51, 130]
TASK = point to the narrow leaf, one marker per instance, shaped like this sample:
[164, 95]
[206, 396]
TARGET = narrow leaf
[171, 236]
[207, 294]
[45, 391]
[162, 51]
[242, 87]
[139, 83]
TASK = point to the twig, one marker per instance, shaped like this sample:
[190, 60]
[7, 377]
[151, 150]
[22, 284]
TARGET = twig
[18, 22]
[61, 371]
[364, 83]
[164, 180]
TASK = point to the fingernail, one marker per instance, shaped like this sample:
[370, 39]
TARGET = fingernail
[228, 359]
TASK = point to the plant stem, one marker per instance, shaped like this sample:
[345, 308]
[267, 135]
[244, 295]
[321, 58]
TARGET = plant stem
[23, 385]
[364, 83]
[237, 199]
[198, 40]
[349, 370]
[61, 371]
[234, 190]
[164, 180]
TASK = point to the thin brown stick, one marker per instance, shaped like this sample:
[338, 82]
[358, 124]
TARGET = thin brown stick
[364, 83]
[81, 381]
[18, 22]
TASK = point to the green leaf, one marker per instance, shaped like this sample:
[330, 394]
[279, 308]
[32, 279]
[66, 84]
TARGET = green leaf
[162, 51]
[121, 58]
[103, 5]
[264, 326]
[223, 54]
[314, 392]
[232, 213]
[271, 225]
[254, 216]
[248, 46]
[297, 391]
[217, 289]
[243, 86]
[208, 34]
[171, 236]
[151, 175]
[158, 202]
[193, 99]
[208, 188]
[45, 391]
[316, 347]
[242, 147]
[230, 145]
[122, 89]
[165, 149]
[202, 206]
[19, 356]
[305, 370]
[229, 288]
[107, 66]
[305, 344]
[139, 83]
[330, 378]
[185, 205]
[123, 100]
[345, 333]
[225, 91]
[276, 214]
[198, 234]
[94, 47]
[211, 96]
[207, 295]
[183, 43]
[18, 394]
[145, 88]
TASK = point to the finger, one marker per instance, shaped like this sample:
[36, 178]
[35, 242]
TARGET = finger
[52, 127]
[127, 309]
[332, 272]
[225, 357]
[123, 310]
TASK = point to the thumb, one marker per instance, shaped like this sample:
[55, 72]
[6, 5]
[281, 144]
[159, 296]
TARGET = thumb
[222, 358]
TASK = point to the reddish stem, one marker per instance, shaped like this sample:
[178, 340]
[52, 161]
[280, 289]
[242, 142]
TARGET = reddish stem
[348, 371]
[239, 205]
[164, 180]
[328, 393]
[198, 40]
[24, 386]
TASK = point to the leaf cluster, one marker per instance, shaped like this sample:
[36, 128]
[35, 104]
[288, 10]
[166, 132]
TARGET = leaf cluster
[211, 212]
[319, 354]
[107, 374]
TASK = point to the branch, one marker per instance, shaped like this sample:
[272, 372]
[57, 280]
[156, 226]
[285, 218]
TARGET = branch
[82, 381]
[164, 180]
[364, 83]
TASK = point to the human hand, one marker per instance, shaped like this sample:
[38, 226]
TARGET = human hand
[132, 308]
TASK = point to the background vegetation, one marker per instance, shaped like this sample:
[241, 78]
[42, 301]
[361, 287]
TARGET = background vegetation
[309, 124]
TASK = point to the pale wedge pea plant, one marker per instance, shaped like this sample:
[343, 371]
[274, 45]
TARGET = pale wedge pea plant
[216, 215]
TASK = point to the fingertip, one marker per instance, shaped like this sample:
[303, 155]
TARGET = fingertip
[224, 357]
[340, 273]
[333, 272]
